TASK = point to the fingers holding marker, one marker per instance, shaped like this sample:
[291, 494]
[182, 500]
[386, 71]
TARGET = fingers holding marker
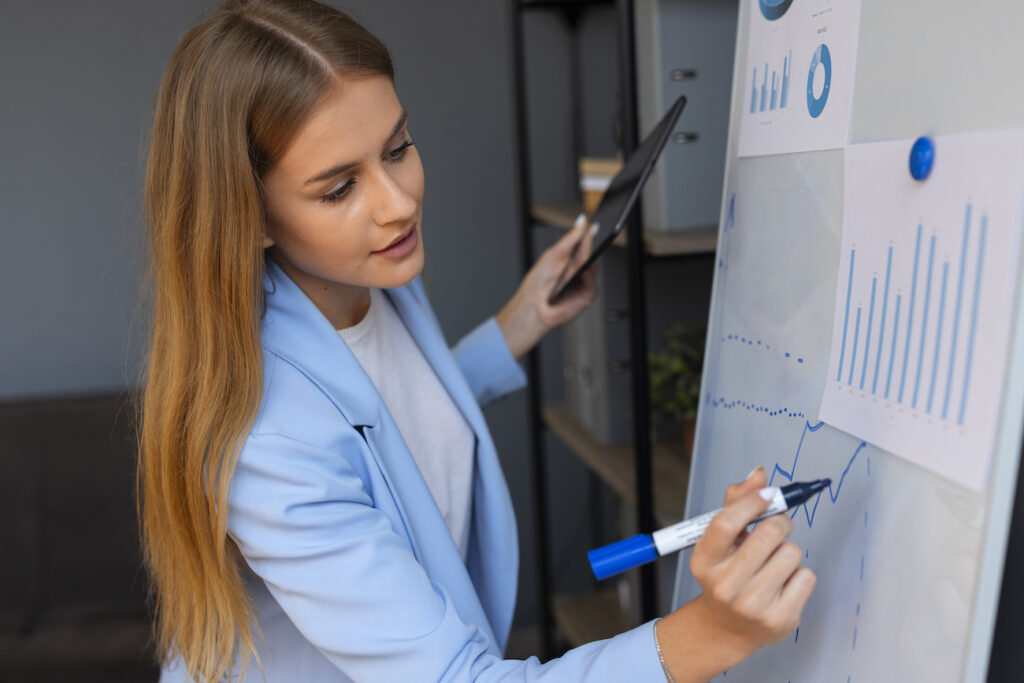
[726, 526]
[756, 480]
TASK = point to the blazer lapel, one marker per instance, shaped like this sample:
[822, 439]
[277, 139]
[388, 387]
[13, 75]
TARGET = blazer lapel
[294, 329]
[493, 558]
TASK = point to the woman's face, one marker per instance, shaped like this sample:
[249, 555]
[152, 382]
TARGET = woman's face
[344, 201]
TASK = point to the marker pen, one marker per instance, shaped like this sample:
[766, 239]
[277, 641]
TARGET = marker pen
[643, 548]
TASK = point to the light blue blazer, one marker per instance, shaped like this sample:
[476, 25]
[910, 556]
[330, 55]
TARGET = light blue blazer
[354, 573]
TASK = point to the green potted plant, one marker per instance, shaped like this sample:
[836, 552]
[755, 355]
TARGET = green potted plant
[675, 382]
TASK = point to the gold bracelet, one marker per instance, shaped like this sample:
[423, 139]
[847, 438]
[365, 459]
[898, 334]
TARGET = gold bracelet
[657, 646]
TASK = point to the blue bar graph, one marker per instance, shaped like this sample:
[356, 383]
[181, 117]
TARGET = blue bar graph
[910, 317]
[938, 335]
[867, 337]
[974, 320]
[934, 339]
[846, 320]
[773, 96]
[956, 314]
[924, 319]
[787, 64]
[853, 356]
[892, 351]
[753, 93]
[764, 88]
[881, 331]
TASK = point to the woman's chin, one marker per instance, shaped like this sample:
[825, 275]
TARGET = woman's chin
[405, 271]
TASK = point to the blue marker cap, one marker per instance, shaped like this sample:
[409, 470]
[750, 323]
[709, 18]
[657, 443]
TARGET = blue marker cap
[618, 557]
[922, 156]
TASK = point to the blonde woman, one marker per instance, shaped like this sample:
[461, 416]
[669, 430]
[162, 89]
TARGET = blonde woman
[320, 497]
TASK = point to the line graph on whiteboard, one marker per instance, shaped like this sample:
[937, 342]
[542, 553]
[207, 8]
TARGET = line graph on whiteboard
[755, 402]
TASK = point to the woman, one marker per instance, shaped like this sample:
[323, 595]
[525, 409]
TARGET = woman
[320, 497]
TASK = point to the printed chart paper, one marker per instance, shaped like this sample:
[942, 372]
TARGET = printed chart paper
[799, 75]
[924, 300]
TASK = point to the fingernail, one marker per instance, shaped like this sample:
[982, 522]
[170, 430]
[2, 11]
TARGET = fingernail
[580, 220]
[753, 471]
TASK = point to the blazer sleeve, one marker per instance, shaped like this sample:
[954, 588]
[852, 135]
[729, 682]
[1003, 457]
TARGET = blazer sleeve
[488, 365]
[303, 519]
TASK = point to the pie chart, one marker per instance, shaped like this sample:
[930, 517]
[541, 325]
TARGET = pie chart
[774, 9]
[822, 58]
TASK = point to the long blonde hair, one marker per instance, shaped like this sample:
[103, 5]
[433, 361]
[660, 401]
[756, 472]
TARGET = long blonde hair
[234, 94]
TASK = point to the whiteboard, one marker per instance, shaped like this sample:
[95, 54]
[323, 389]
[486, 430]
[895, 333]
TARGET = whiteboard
[909, 563]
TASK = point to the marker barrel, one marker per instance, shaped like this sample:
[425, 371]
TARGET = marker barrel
[643, 548]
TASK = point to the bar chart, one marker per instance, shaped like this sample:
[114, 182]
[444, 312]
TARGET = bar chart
[770, 95]
[922, 344]
[923, 307]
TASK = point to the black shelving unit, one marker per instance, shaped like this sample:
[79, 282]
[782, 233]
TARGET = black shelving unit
[610, 464]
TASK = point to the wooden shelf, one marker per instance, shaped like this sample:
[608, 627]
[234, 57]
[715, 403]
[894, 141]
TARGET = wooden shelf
[614, 464]
[589, 617]
[656, 242]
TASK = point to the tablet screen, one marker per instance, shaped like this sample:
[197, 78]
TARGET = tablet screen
[621, 195]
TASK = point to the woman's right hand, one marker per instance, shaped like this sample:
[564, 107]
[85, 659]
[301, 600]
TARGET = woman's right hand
[753, 589]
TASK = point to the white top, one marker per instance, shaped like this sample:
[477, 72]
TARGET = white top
[441, 441]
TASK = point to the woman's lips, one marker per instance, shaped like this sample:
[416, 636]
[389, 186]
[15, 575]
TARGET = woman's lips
[402, 246]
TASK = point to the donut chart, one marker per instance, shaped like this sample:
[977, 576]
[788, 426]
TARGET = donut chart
[774, 9]
[815, 105]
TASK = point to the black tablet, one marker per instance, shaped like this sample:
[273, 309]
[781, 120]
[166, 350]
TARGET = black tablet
[620, 197]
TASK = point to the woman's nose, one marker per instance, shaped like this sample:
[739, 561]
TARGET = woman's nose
[392, 203]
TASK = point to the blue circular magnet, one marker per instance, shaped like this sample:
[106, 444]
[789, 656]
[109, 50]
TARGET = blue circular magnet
[922, 157]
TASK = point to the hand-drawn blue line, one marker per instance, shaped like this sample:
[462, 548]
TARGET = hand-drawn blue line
[910, 315]
[974, 320]
[833, 489]
[846, 320]
[924, 320]
[881, 329]
[892, 351]
[867, 338]
[938, 334]
[854, 638]
[833, 495]
[956, 314]
[853, 355]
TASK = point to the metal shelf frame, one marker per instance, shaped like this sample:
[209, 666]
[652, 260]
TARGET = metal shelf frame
[637, 255]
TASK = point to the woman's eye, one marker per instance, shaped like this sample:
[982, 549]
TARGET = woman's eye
[399, 152]
[339, 193]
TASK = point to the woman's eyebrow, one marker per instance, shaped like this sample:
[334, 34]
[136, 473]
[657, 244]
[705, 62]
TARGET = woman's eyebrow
[341, 168]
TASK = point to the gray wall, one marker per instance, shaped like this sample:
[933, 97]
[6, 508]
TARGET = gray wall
[77, 84]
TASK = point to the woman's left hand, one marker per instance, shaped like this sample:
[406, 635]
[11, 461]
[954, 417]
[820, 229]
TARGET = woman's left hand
[527, 316]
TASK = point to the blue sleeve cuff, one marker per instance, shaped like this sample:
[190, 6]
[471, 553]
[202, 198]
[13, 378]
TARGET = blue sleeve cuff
[488, 365]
